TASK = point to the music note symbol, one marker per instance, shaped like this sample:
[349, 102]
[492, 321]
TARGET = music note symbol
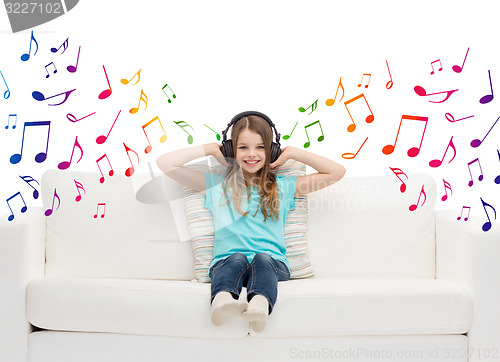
[287, 136]
[163, 138]
[138, 74]
[480, 177]
[73, 68]
[73, 119]
[414, 151]
[489, 97]
[29, 179]
[111, 172]
[447, 186]
[173, 94]
[103, 204]
[423, 93]
[49, 212]
[65, 164]
[42, 156]
[40, 97]
[144, 98]
[450, 118]
[349, 155]
[414, 206]
[497, 179]
[314, 106]
[79, 187]
[26, 56]
[389, 83]
[362, 78]
[320, 138]
[216, 134]
[397, 172]
[330, 102]
[102, 138]
[476, 143]
[55, 69]
[130, 171]
[467, 217]
[487, 224]
[107, 92]
[23, 209]
[437, 163]
[458, 69]
[369, 118]
[184, 124]
[6, 94]
[65, 45]
[440, 66]
[8, 121]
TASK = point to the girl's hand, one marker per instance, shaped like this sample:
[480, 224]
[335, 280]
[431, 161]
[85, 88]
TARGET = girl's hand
[213, 149]
[284, 156]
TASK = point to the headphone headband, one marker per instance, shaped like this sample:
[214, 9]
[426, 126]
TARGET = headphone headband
[251, 113]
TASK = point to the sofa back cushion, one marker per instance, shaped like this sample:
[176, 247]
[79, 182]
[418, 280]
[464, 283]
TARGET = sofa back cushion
[362, 227]
[132, 240]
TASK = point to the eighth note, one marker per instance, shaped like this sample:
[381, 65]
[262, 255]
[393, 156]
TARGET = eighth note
[437, 163]
[331, 102]
[440, 66]
[49, 212]
[467, 217]
[26, 56]
[173, 94]
[487, 224]
[42, 156]
[55, 69]
[320, 138]
[362, 78]
[130, 171]
[480, 177]
[103, 204]
[369, 119]
[8, 121]
[65, 164]
[414, 206]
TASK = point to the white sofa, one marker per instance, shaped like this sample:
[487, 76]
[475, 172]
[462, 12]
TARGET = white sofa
[390, 284]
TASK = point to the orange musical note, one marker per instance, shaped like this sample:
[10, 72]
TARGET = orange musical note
[138, 74]
[163, 138]
[130, 171]
[102, 138]
[422, 93]
[447, 186]
[397, 172]
[23, 209]
[107, 92]
[369, 78]
[26, 56]
[389, 83]
[450, 118]
[103, 204]
[467, 217]
[440, 66]
[144, 98]
[111, 172]
[48, 212]
[487, 224]
[79, 187]
[65, 164]
[414, 206]
[29, 179]
[457, 68]
[480, 177]
[320, 138]
[414, 151]
[349, 155]
[330, 102]
[437, 163]
[369, 119]
[314, 106]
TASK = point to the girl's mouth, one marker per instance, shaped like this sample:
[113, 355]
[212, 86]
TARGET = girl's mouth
[253, 162]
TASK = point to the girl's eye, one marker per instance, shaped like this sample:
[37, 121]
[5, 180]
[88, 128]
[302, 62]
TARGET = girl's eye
[261, 146]
[242, 147]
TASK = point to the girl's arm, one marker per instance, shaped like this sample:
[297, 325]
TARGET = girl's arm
[172, 164]
[328, 173]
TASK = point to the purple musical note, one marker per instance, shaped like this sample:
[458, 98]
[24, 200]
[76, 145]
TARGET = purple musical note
[29, 179]
[487, 224]
[489, 97]
[40, 97]
[23, 209]
[15, 158]
[476, 143]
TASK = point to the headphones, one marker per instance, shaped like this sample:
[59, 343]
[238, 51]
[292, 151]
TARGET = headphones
[227, 145]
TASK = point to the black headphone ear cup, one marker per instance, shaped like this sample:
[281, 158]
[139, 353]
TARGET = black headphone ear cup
[227, 150]
[275, 151]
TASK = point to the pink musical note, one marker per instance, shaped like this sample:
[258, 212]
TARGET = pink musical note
[414, 206]
[487, 224]
[440, 66]
[349, 155]
[101, 139]
[414, 151]
[489, 97]
[103, 204]
[437, 163]
[130, 171]
[163, 138]
[64, 44]
[450, 118]
[29, 179]
[389, 83]
[330, 102]
[48, 212]
[458, 69]
[79, 187]
[40, 97]
[397, 172]
[54, 71]
[467, 217]
[111, 172]
[73, 68]
[26, 56]
[23, 209]
[144, 98]
[421, 92]
[480, 177]
[369, 119]
[65, 164]
[447, 186]
[497, 179]
[362, 78]
[73, 119]
[476, 143]
[107, 92]
[138, 74]
[42, 156]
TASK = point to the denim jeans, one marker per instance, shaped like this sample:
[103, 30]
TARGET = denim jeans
[261, 276]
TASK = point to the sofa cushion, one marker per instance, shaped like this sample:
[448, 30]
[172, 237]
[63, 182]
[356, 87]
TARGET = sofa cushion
[369, 306]
[130, 306]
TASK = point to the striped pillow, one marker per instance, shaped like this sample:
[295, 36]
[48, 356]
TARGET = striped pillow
[201, 226]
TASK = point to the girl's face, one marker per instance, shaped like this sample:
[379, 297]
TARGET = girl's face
[250, 152]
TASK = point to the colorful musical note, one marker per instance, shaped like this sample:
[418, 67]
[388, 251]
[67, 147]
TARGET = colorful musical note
[101, 139]
[163, 138]
[144, 98]
[450, 118]
[55, 69]
[49, 212]
[42, 156]
[103, 204]
[138, 74]
[487, 224]
[23, 209]
[184, 124]
[26, 56]
[476, 143]
[467, 217]
[447, 186]
[414, 206]
[173, 94]
[287, 136]
[6, 94]
[349, 155]
[40, 97]
[8, 121]
[320, 138]
[397, 172]
[130, 171]
[73, 68]
[217, 134]
[440, 66]
[362, 78]
[107, 92]
[64, 44]
[489, 97]
[79, 187]
[414, 151]
[330, 102]
[389, 83]
[458, 69]
[480, 177]
[73, 119]
[422, 92]
[314, 106]
[29, 179]
[497, 179]
[369, 119]
[437, 163]
[65, 164]
[111, 172]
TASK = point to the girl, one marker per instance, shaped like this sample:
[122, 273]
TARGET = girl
[249, 250]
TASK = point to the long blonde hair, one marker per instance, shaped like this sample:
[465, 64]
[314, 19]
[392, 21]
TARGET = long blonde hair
[266, 180]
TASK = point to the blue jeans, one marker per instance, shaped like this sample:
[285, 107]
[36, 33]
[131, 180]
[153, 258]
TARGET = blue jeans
[261, 276]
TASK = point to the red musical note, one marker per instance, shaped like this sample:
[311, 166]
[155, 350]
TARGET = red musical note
[369, 119]
[362, 78]
[414, 206]
[29, 179]
[489, 97]
[397, 172]
[26, 56]
[103, 204]
[23, 209]
[130, 171]
[440, 66]
[330, 102]
[476, 143]
[107, 92]
[414, 151]
[487, 224]
[320, 138]
[497, 179]
[480, 177]
[458, 69]
[111, 172]
[163, 138]
[138, 74]
[42, 156]
[467, 217]
[79, 187]
[450, 118]
[64, 44]
[73, 118]
[48, 212]
[314, 106]
[421, 92]
[55, 69]
[437, 163]
[73, 68]
[65, 164]
[144, 98]
[173, 94]
[447, 186]
[349, 155]
[40, 97]
[389, 83]
[101, 139]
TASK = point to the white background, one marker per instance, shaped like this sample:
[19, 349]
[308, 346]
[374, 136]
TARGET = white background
[224, 57]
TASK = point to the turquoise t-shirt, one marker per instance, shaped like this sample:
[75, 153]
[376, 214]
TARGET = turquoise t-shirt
[248, 234]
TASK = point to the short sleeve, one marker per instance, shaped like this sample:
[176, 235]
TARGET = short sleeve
[286, 185]
[211, 181]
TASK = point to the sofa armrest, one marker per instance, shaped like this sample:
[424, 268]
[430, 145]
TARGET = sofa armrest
[22, 258]
[470, 256]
